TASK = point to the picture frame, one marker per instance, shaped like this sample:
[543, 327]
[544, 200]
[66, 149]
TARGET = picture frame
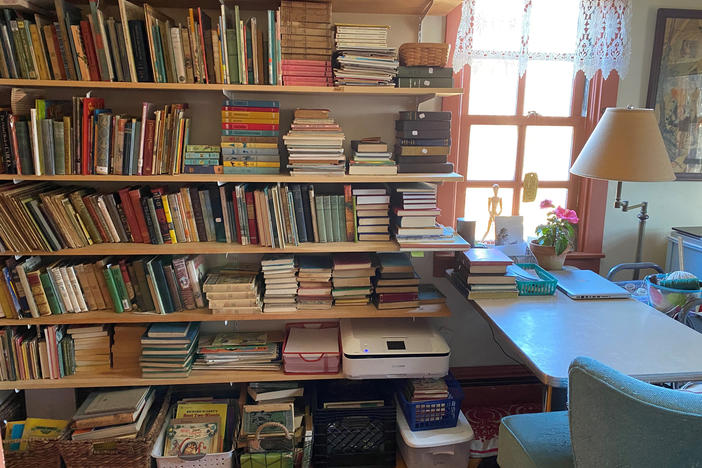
[675, 88]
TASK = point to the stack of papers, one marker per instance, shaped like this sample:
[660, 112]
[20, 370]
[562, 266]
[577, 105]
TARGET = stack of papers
[240, 351]
[364, 58]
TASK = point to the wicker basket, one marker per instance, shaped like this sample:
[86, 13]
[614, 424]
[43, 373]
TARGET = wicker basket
[39, 452]
[116, 453]
[424, 54]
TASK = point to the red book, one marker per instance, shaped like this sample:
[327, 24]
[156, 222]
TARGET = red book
[161, 214]
[89, 106]
[487, 257]
[236, 217]
[126, 279]
[251, 109]
[397, 297]
[248, 126]
[59, 74]
[12, 124]
[135, 196]
[147, 165]
[251, 214]
[89, 201]
[87, 35]
[147, 111]
[186, 291]
[130, 215]
[308, 63]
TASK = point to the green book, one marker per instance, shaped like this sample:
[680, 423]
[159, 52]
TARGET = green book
[336, 234]
[25, 146]
[112, 288]
[321, 229]
[116, 272]
[29, 49]
[21, 57]
[232, 55]
[328, 219]
[158, 52]
[51, 294]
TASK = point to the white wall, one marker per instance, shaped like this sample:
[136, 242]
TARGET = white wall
[670, 203]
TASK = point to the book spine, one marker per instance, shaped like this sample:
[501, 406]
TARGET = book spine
[87, 37]
[161, 215]
[169, 219]
[321, 224]
[349, 214]
[251, 215]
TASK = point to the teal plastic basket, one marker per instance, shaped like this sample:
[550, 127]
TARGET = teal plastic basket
[544, 287]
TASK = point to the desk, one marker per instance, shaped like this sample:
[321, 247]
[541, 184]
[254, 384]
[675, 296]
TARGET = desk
[546, 333]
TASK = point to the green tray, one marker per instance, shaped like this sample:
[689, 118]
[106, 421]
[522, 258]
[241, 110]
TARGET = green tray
[544, 287]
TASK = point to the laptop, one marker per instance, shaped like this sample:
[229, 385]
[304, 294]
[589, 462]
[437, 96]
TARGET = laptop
[586, 284]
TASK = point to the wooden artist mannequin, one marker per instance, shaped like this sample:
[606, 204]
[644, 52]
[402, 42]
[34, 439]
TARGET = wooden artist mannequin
[494, 209]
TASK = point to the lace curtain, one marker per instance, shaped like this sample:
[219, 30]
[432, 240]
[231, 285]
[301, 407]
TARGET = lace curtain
[502, 30]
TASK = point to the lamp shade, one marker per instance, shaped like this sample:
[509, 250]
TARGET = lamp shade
[626, 145]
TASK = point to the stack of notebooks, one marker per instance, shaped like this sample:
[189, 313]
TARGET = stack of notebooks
[424, 77]
[202, 159]
[314, 277]
[371, 157]
[315, 144]
[482, 274]
[240, 351]
[126, 347]
[309, 72]
[414, 214]
[351, 277]
[92, 348]
[280, 277]
[36, 353]
[371, 208]
[233, 291]
[250, 131]
[423, 140]
[363, 57]
[168, 350]
[111, 414]
[396, 284]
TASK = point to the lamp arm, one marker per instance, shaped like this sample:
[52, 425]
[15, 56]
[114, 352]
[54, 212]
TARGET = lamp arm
[643, 216]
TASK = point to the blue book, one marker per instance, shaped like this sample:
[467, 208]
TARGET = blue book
[16, 433]
[245, 103]
[318, 263]
[171, 330]
[274, 133]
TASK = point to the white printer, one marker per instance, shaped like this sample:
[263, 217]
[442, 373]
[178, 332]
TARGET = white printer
[392, 348]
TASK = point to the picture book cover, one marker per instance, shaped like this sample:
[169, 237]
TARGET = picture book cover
[206, 409]
[38, 428]
[240, 338]
[192, 436]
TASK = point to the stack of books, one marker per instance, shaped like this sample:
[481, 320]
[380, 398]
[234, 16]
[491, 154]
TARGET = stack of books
[306, 42]
[371, 157]
[315, 143]
[314, 277]
[126, 347]
[109, 414]
[280, 277]
[202, 159]
[274, 392]
[396, 284]
[250, 131]
[424, 77]
[371, 208]
[423, 140]
[363, 57]
[415, 390]
[233, 291]
[414, 213]
[482, 274]
[168, 350]
[240, 351]
[309, 72]
[352, 278]
[92, 348]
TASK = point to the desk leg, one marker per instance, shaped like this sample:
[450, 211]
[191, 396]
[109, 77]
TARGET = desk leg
[555, 399]
[548, 398]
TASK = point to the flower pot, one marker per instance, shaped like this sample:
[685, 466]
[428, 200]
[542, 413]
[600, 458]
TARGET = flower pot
[546, 256]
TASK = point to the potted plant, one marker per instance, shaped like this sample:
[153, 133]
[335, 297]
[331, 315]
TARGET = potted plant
[554, 238]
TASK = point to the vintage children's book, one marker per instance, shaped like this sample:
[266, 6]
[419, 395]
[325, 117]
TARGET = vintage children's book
[38, 428]
[192, 436]
[197, 409]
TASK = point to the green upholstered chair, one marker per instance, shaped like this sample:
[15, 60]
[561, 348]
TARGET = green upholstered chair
[613, 421]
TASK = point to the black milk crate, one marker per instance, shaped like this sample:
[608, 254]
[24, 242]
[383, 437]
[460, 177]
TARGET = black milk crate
[354, 437]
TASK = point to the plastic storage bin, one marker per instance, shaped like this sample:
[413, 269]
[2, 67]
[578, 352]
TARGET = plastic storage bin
[433, 414]
[448, 447]
[311, 362]
[211, 460]
[546, 286]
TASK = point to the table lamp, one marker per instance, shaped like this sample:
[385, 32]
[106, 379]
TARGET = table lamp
[626, 146]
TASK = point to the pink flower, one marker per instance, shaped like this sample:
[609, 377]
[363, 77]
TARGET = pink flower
[566, 215]
[546, 203]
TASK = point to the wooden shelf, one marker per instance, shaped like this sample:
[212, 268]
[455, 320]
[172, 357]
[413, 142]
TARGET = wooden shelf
[204, 315]
[122, 379]
[212, 248]
[270, 89]
[252, 178]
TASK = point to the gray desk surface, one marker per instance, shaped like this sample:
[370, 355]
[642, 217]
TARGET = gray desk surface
[546, 333]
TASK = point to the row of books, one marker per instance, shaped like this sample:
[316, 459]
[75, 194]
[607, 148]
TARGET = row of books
[142, 44]
[35, 287]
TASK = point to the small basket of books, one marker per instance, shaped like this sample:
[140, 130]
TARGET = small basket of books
[424, 54]
[116, 428]
[430, 403]
[33, 442]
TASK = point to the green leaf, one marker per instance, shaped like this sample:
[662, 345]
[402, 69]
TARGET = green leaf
[561, 245]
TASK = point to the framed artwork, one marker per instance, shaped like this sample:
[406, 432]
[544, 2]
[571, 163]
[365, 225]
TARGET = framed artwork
[675, 88]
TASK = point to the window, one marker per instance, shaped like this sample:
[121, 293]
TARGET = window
[512, 124]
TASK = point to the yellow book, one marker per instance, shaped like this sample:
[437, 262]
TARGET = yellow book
[201, 409]
[38, 428]
[39, 54]
[169, 219]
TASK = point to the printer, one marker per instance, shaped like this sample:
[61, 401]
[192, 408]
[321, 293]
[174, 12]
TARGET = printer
[392, 348]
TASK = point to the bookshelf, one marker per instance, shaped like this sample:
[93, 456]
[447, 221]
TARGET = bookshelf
[240, 178]
[204, 315]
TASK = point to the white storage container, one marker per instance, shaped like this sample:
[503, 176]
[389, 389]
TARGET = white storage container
[448, 447]
[211, 460]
